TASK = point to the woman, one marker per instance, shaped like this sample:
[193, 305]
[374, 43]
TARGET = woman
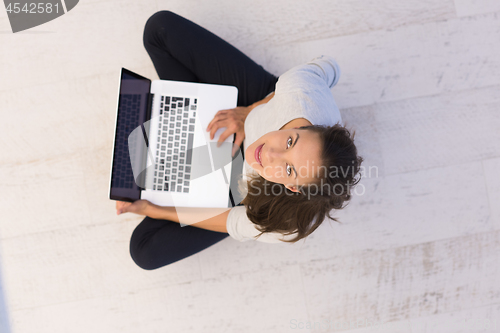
[300, 161]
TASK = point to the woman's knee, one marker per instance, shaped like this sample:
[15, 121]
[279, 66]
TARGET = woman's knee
[140, 256]
[144, 263]
[139, 250]
[161, 18]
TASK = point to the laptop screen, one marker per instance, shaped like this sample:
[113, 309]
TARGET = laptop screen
[134, 108]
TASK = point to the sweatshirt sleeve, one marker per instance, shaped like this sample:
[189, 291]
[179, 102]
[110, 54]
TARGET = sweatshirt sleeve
[320, 70]
[242, 229]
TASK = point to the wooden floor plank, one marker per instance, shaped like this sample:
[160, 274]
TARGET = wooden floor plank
[408, 282]
[418, 250]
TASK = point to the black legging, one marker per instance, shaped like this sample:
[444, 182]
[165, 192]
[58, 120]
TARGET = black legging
[183, 51]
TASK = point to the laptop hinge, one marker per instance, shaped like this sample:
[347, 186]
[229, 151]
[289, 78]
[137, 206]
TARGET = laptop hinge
[149, 106]
[145, 133]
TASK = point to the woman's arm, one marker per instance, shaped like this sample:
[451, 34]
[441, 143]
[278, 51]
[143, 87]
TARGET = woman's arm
[205, 218]
[234, 121]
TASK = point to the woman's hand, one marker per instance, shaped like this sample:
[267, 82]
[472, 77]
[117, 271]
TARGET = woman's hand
[138, 207]
[234, 121]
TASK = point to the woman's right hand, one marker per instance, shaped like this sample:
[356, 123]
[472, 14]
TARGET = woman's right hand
[234, 121]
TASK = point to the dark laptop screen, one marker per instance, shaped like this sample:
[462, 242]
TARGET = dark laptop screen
[134, 108]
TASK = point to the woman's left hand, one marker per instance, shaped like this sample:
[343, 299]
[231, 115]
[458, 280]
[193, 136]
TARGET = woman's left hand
[138, 207]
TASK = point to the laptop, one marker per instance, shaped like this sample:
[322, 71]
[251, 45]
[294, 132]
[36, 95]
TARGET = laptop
[161, 149]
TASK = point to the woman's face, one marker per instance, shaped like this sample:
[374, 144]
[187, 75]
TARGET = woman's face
[290, 157]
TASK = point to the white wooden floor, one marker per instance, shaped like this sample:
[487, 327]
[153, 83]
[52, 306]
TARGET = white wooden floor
[419, 247]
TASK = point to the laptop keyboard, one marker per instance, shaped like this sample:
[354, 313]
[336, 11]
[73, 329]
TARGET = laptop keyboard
[175, 144]
[128, 118]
